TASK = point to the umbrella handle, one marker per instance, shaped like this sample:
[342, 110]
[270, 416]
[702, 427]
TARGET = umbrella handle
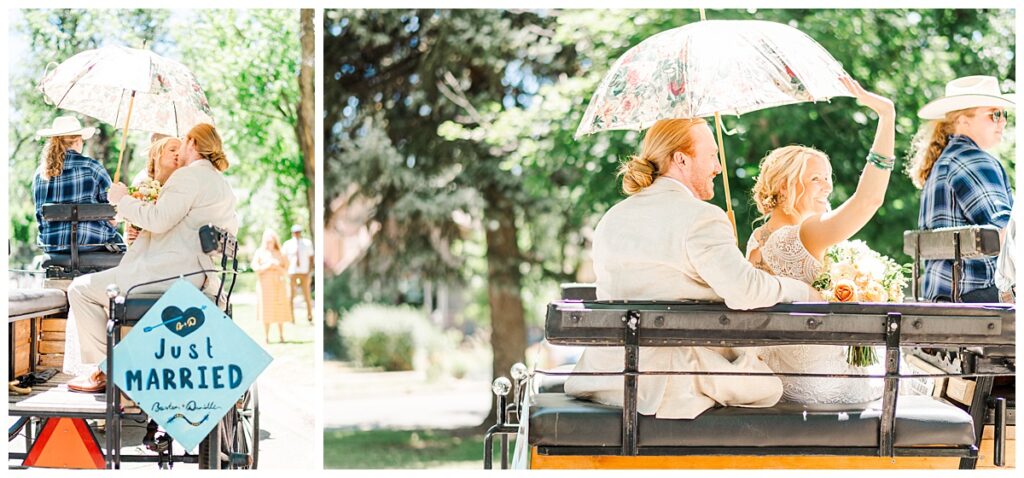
[124, 138]
[725, 178]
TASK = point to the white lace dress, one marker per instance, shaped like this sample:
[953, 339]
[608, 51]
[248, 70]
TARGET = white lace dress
[783, 254]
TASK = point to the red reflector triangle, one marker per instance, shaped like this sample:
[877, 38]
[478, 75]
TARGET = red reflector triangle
[65, 443]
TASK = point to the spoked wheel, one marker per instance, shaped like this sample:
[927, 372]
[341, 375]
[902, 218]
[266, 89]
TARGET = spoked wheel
[239, 433]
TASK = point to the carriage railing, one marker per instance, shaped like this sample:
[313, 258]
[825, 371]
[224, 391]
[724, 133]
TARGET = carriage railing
[632, 324]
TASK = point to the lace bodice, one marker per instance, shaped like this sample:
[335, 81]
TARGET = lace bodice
[783, 254]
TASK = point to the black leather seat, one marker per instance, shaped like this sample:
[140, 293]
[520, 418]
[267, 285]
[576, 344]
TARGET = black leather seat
[559, 420]
[87, 261]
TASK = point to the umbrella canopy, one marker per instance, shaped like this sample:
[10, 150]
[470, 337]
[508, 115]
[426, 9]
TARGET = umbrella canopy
[99, 83]
[708, 67]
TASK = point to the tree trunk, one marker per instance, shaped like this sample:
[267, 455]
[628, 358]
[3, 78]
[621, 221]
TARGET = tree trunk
[306, 111]
[508, 325]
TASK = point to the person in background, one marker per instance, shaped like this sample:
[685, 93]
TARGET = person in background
[300, 267]
[961, 184]
[66, 176]
[273, 305]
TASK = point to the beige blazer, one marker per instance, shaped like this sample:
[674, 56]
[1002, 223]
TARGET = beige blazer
[665, 244]
[194, 196]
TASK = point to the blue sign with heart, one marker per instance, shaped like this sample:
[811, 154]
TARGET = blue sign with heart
[186, 363]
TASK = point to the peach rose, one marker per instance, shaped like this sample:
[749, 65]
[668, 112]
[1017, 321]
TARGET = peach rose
[844, 291]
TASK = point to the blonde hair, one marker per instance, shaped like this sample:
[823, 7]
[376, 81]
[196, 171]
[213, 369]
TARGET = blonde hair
[54, 151]
[782, 169]
[155, 151]
[270, 237]
[208, 145]
[928, 144]
[661, 141]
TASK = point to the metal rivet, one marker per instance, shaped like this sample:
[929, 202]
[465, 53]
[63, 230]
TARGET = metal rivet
[574, 318]
[813, 324]
[991, 326]
[659, 321]
[723, 320]
[918, 324]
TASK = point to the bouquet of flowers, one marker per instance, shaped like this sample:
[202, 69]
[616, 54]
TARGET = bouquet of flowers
[852, 272]
[146, 191]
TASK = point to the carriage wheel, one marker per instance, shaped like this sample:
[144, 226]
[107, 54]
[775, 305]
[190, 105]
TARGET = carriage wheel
[246, 435]
[239, 435]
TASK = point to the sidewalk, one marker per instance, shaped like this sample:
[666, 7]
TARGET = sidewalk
[368, 400]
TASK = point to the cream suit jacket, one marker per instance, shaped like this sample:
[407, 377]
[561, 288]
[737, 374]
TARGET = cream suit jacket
[665, 244]
[194, 196]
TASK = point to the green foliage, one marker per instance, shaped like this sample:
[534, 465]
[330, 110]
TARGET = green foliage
[390, 351]
[247, 62]
[395, 338]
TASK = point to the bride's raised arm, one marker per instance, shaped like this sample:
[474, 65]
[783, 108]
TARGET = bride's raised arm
[820, 232]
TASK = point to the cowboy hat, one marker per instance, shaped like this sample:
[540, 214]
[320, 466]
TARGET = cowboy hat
[66, 126]
[967, 92]
[296, 228]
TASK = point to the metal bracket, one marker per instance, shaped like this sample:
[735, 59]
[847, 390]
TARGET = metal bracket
[887, 422]
[631, 331]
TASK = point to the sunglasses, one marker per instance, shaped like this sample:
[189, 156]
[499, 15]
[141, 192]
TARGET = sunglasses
[999, 115]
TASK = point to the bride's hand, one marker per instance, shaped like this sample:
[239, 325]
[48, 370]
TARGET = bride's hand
[879, 104]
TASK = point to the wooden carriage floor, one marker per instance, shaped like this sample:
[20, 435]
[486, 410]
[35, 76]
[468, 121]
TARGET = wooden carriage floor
[54, 396]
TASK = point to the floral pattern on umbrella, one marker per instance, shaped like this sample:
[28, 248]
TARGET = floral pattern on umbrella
[723, 66]
[99, 83]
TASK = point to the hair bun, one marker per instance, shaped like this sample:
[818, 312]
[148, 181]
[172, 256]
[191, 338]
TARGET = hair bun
[638, 173]
[219, 160]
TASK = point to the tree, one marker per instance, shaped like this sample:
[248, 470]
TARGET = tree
[398, 76]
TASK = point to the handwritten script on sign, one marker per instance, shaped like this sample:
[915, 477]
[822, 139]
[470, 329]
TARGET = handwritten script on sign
[186, 363]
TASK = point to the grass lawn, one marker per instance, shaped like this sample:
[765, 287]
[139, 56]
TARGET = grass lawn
[409, 449]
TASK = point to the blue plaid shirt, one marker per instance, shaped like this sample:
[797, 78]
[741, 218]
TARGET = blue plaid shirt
[967, 186]
[82, 181]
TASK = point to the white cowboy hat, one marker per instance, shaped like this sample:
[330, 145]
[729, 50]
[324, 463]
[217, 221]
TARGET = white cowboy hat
[296, 228]
[967, 92]
[66, 126]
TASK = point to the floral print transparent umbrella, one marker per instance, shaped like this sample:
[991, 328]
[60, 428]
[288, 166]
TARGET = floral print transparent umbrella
[130, 88]
[709, 68]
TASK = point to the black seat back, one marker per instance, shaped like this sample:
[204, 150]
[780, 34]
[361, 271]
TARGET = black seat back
[73, 263]
[950, 243]
[215, 240]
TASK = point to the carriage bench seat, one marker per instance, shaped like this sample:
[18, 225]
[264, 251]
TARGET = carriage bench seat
[31, 303]
[558, 420]
[87, 261]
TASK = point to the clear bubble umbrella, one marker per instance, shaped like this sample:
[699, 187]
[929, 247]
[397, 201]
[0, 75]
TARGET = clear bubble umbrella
[710, 68]
[130, 88]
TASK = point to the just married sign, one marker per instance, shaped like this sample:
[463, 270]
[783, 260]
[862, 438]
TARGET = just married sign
[186, 363]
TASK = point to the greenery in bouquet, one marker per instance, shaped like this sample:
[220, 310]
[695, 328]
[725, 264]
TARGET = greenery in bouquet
[146, 191]
[853, 272]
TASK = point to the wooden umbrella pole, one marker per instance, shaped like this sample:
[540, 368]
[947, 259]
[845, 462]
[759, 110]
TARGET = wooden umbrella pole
[725, 178]
[725, 169]
[124, 137]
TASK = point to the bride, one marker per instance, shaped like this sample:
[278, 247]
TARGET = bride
[792, 192]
